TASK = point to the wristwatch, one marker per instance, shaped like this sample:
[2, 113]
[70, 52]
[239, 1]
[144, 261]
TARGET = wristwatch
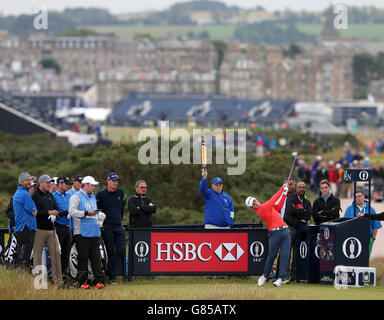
[85, 213]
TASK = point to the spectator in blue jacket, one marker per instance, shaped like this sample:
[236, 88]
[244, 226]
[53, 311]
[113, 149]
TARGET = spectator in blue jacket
[219, 210]
[25, 221]
[62, 223]
[362, 207]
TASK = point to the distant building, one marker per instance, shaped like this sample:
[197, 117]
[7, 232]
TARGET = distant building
[376, 90]
[242, 72]
[360, 111]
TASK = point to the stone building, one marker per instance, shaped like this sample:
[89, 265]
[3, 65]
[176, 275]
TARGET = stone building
[242, 72]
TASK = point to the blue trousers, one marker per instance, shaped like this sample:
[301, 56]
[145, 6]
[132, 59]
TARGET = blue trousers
[115, 243]
[278, 239]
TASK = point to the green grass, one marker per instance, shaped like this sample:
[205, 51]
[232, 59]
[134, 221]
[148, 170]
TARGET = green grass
[130, 134]
[129, 32]
[16, 284]
[374, 31]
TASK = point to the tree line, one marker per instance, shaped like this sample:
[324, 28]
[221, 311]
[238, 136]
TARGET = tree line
[178, 14]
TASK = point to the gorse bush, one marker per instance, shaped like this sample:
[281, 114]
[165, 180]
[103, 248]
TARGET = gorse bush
[174, 188]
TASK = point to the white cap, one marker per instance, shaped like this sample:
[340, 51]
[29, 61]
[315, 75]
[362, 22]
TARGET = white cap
[318, 158]
[249, 201]
[89, 179]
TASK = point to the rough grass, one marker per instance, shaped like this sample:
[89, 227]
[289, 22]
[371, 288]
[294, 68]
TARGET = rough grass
[19, 285]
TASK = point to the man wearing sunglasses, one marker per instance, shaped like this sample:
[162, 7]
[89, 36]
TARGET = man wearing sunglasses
[141, 207]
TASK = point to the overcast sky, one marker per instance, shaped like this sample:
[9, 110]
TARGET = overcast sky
[123, 6]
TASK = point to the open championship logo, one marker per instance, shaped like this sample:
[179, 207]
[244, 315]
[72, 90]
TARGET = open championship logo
[352, 248]
[256, 249]
[303, 250]
[141, 249]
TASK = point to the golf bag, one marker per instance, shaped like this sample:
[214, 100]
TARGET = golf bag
[73, 260]
[8, 253]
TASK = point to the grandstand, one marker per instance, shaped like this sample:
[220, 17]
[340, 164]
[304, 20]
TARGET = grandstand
[24, 113]
[140, 109]
[43, 106]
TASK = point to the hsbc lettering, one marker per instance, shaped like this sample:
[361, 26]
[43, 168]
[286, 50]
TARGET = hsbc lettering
[198, 252]
[179, 251]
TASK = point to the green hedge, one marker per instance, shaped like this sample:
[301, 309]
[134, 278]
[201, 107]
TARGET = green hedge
[174, 188]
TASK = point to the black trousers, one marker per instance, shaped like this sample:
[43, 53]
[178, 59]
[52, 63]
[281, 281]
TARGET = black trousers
[65, 239]
[88, 248]
[115, 243]
[23, 251]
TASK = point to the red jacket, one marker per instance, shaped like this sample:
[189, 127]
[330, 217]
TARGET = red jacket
[269, 211]
[332, 174]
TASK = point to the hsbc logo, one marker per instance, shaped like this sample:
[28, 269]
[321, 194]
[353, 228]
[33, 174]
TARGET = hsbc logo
[179, 251]
[229, 252]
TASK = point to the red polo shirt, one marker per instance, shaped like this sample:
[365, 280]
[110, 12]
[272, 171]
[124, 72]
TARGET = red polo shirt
[269, 211]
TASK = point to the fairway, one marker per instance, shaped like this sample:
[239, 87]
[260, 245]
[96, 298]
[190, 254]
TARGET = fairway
[19, 285]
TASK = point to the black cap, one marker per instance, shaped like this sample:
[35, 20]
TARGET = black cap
[64, 179]
[78, 178]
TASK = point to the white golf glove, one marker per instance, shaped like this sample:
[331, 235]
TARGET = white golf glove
[100, 218]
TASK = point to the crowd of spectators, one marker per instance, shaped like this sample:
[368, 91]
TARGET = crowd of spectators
[313, 173]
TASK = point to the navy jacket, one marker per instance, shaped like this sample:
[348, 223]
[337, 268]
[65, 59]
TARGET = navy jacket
[112, 204]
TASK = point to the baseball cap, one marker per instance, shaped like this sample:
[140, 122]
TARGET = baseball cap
[78, 178]
[25, 176]
[64, 179]
[113, 176]
[89, 179]
[217, 180]
[54, 180]
[45, 178]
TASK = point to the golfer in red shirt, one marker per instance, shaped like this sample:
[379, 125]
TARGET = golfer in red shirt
[278, 235]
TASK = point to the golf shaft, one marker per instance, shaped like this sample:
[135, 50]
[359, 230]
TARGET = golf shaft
[293, 164]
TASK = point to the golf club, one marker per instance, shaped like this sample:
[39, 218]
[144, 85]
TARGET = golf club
[294, 155]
